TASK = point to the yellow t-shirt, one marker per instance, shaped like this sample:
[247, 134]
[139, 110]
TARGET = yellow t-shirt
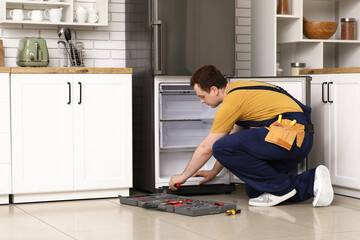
[251, 105]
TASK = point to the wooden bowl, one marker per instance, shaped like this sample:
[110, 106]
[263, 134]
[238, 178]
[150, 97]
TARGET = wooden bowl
[319, 30]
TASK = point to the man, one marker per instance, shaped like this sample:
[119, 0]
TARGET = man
[260, 133]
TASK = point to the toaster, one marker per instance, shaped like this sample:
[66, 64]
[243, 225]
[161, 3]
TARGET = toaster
[32, 52]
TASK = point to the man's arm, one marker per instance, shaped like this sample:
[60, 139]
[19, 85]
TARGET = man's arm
[201, 155]
[210, 174]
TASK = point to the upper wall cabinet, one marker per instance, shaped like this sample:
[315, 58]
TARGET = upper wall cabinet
[55, 12]
[279, 38]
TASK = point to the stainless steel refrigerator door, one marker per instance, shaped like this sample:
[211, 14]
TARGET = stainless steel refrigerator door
[189, 34]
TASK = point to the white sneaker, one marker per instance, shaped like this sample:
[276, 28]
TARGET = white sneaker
[268, 200]
[323, 190]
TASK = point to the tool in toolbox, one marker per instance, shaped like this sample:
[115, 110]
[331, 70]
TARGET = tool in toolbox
[178, 204]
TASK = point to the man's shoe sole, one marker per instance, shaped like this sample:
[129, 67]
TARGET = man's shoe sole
[279, 199]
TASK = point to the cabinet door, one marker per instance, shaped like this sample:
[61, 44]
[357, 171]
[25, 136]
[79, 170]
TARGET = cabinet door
[345, 130]
[42, 132]
[319, 154]
[5, 149]
[103, 138]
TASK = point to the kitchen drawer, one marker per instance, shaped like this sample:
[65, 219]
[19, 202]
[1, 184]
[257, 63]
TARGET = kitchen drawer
[183, 134]
[5, 149]
[184, 106]
[5, 178]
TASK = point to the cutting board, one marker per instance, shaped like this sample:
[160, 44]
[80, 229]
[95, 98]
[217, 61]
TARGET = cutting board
[330, 70]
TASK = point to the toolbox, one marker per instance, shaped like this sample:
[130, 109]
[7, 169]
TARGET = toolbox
[178, 204]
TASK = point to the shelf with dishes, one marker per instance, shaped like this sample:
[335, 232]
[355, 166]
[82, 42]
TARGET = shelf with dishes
[319, 33]
[55, 12]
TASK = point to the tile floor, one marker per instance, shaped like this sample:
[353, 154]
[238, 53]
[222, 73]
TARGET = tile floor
[108, 219]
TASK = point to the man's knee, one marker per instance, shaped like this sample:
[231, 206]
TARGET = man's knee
[218, 149]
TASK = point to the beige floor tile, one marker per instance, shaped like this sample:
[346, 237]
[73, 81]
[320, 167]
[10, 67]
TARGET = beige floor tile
[108, 219]
[351, 235]
[16, 224]
[334, 222]
[71, 216]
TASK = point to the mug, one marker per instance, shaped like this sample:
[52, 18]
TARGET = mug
[36, 15]
[54, 14]
[17, 14]
[92, 18]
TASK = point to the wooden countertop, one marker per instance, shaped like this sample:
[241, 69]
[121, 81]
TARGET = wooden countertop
[329, 70]
[65, 70]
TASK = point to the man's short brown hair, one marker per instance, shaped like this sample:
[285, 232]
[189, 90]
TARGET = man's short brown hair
[208, 76]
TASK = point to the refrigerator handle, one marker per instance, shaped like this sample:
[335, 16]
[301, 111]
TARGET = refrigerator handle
[159, 35]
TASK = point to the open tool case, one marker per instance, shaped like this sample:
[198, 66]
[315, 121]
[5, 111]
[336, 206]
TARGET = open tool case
[177, 204]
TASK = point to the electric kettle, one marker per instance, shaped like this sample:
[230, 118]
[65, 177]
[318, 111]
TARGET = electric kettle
[32, 52]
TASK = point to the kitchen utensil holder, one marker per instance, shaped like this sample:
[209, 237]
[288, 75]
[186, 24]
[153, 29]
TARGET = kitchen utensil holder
[73, 56]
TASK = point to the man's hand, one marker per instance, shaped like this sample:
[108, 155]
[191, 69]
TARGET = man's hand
[206, 174]
[176, 179]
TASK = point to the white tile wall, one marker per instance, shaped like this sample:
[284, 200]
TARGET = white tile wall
[243, 38]
[106, 46]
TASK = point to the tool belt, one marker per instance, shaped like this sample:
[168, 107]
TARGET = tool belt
[283, 133]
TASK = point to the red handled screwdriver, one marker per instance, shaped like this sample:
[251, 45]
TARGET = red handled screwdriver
[177, 185]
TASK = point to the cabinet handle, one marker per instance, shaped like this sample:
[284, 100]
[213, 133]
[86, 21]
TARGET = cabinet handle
[322, 92]
[69, 84]
[80, 87]
[328, 92]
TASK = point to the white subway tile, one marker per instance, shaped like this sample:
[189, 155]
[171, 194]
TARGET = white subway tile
[15, 33]
[97, 54]
[108, 63]
[113, 26]
[240, 38]
[241, 12]
[243, 56]
[109, 45]
[118, 17]
[118, 54]
[243, 47]
[243, 65]
[93, 35]
[243, 73]
[116, 7]
[117, 35]
[243, 29]
[244, 21]
[243, 3]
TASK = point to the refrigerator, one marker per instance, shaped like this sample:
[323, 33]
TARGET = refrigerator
[184, 35]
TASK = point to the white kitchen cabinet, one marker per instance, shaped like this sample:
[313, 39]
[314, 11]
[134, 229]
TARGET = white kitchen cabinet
[71, 136]
[68, 15]
[5, 147]
[337, 131]
[279, 38]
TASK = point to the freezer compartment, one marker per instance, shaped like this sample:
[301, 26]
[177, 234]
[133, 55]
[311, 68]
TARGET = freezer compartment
[183, 134]
[184, 106]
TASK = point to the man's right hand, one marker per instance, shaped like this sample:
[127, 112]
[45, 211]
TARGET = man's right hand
[176, 179]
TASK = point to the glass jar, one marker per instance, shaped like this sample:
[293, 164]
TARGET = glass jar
[348, 29]
[283, 7]
[296, 67]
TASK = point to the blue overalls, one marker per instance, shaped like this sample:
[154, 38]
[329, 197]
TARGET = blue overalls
[264, 166]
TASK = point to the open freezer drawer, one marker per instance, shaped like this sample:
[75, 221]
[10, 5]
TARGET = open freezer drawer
[183, 134]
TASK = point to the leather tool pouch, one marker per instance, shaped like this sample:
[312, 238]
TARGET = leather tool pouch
[283, 134]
